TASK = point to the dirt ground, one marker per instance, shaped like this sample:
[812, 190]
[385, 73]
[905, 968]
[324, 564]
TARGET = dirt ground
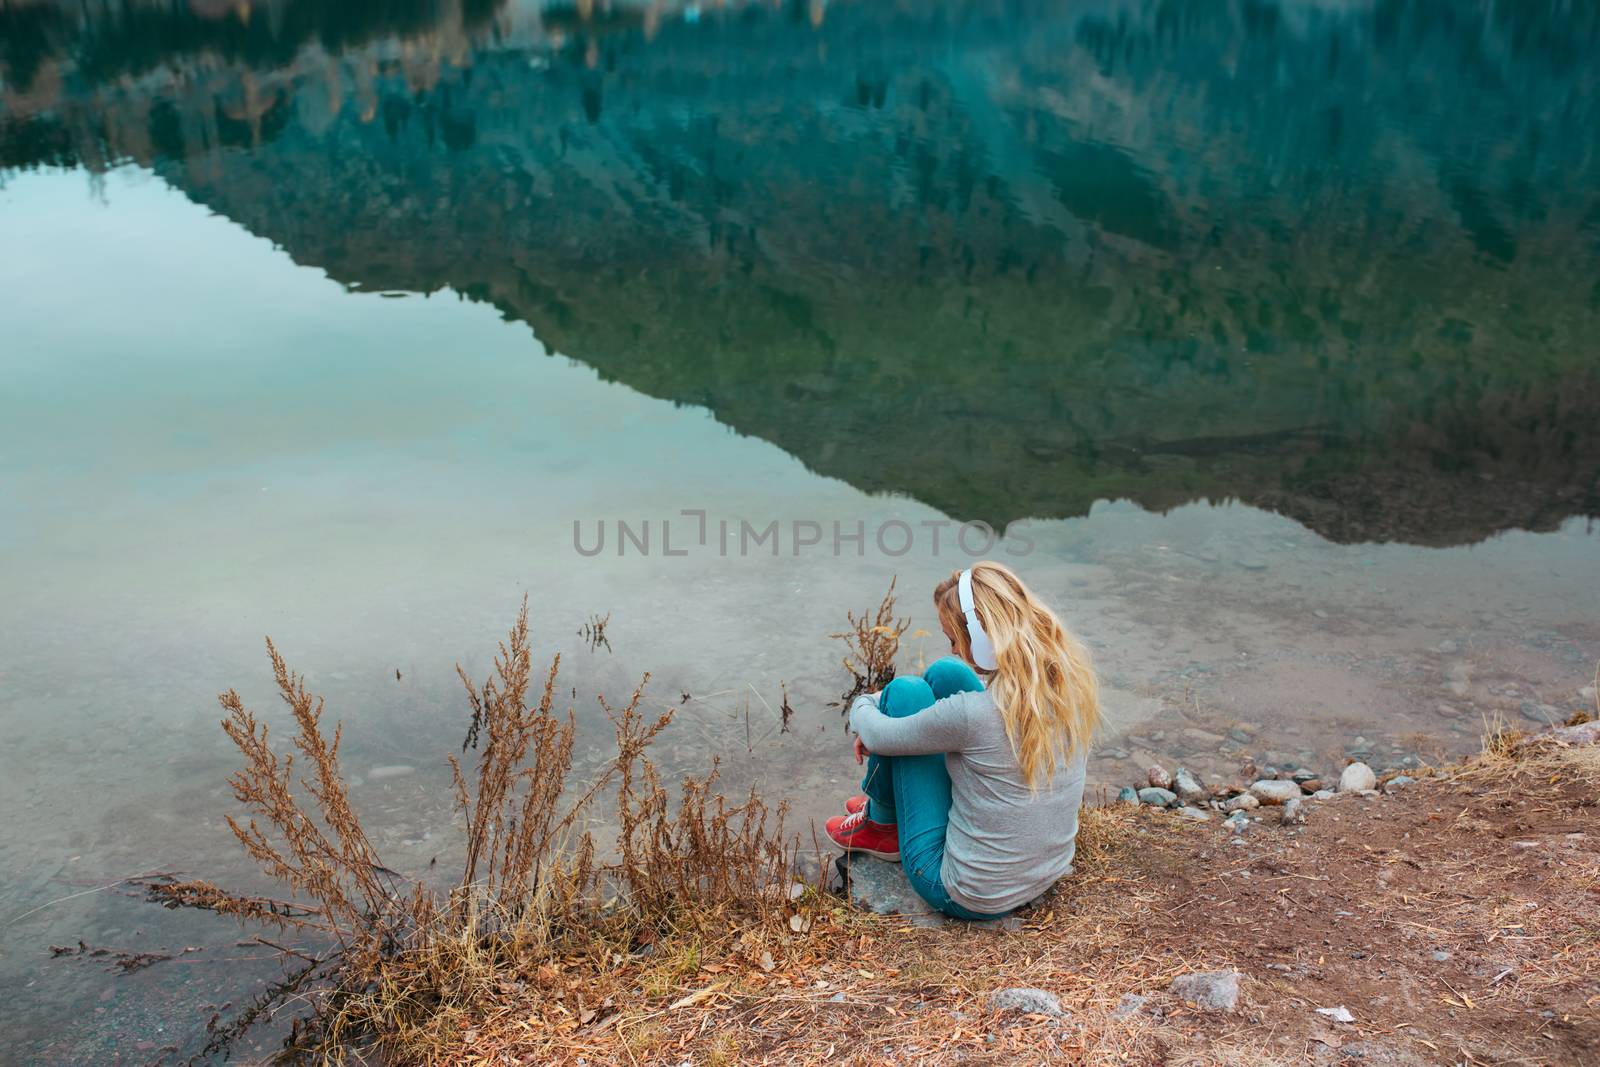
[1457, 921]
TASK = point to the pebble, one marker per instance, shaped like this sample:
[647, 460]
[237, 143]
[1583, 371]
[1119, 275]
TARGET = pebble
[1157, 797]
[1357, 777]
[1158, 777]
[1294, 813]
[1236, 822]
[1399, 781]
[1323, 794]
[1188, 787]
[1130, 1004]
[1028, 1001]
[1197, 814]
[1447, 648]
[396, 770]
[1448, 712]
[1272, 791]
[1242, 803]
[1310, 785]
[1128, 795]
[1208, 990]
[1440, 955]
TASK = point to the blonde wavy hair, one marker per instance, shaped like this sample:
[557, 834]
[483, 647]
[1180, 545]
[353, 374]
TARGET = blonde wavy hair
[1044, 685]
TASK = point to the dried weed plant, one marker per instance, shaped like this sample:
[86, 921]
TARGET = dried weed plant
[385, 962]
[871, 645]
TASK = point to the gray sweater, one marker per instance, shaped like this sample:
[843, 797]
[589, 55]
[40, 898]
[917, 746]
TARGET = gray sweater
[1005, 844]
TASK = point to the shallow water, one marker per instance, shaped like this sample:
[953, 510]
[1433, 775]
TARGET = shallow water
[1269, 331]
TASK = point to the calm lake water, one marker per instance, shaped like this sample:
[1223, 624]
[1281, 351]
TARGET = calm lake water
[1266, 334]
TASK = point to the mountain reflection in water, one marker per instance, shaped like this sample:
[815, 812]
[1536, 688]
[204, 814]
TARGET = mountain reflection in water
[1010, 258]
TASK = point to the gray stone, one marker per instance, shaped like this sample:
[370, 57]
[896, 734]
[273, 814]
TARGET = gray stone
[1237, 822]
[1242, 802]
[881, 887]
[1448, 648]
[1323, 794]
[1356, 777]
[1448, 712]
[1294, 813]
[1130, 1004]
[1128, 795]
[396, 770]
[1157, 797]
[1398, 782]
[1197, 814]
[1272, 791]
[1208, 990]
[1158, 777]
[1028, 1001]
[1440, 955]
[1188, 787]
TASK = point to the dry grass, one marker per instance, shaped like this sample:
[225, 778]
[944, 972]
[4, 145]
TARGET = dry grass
[389, 967]
[871, 645]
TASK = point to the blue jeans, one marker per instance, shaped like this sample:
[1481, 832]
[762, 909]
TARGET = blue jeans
[913, 792]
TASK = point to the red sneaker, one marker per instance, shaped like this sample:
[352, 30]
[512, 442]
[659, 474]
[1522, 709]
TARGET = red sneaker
[857, 833]
[855, 804]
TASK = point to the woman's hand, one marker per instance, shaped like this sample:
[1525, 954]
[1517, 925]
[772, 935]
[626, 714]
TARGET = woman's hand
[861, 751]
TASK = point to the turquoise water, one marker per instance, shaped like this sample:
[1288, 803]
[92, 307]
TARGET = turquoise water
[1266, 333]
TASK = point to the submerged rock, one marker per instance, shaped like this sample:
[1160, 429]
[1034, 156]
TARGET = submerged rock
[1208, 990]
[1357, 777]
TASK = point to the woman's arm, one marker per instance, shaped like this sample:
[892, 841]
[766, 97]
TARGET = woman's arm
[941, 727]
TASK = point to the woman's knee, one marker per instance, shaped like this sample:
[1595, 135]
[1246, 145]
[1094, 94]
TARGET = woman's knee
[905, 695]
[951, 675]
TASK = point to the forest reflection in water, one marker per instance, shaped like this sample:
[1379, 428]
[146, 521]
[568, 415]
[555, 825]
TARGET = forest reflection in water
[1338, 263]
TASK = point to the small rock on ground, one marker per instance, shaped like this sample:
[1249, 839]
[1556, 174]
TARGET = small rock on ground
[1208, 990]
[1158, 777]
[1356, 777]
[1029, 1001]
[1294, 813]
[1273, 791]
[1197, 814]
[1188, 787]
[1156, 796]
[1130, 1004]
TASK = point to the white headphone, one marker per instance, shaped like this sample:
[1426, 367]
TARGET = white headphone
[982, 647]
